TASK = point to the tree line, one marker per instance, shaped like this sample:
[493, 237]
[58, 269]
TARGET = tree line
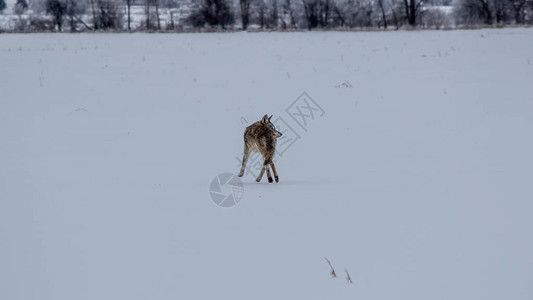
[93, 15]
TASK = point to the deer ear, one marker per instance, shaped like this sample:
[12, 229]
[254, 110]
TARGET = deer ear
[265, 119]
[269, 118]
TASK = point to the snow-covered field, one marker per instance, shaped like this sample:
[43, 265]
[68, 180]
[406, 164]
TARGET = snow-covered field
[417, 177]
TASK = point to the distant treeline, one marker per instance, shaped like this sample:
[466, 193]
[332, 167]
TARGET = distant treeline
[182, 15]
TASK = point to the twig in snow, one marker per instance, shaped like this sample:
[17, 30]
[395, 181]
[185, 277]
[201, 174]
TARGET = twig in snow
[332, 272]
[348, 278]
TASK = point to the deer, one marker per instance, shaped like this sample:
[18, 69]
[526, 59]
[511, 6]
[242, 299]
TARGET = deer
[261, 137]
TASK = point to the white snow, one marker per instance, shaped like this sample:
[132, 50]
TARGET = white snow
[417, 178]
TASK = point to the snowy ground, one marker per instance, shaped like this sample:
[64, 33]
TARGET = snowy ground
[416, 179]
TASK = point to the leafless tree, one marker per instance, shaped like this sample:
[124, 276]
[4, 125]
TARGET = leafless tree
[151, 11]
[215, 13]
[107, 14]
[518, 10]
[261, 13]
[485, 11]
[245, 12]
[501, 11]
[75, 11]
[383, 14]
[274, 15]
[434, 18]
[396, 9]
[287, 14]
[412, 8]
[128, 12]
[93, 12]
[317, 13]
[156, 3]
[3, 6]
[339, 16]
[20, 7]
[57, 9]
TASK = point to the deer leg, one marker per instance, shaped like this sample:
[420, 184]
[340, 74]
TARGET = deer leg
[244, 158]
[274, 171]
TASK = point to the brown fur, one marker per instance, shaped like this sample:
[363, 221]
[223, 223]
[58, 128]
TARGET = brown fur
[261, 137]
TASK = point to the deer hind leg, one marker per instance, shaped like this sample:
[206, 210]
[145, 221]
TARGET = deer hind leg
[244, 159]
[274, 171]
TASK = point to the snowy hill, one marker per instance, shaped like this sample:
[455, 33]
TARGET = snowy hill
[415, 175]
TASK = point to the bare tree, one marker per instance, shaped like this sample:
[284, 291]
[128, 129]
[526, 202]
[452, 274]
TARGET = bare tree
[75, 11]
[128, 12]
[93, 11]
[434, 17]
[267, 13]
[317, 13]
[396, 10]
[359, 13]
[57, 9]
[245, 13]
[340, 18]
[151, 11]
[487, 11]
[529, 8]
[274, 15]
[155, 3]
[215, 13]
[262, 11]
[20, 7]
[147, 13]
[107, 14]
[501, 11]
[412, 8]
[170, 6]
[383, 14]
[2, 6]
[288, 13]
[481, 11]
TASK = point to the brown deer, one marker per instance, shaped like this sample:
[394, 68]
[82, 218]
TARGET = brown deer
[261, 137]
